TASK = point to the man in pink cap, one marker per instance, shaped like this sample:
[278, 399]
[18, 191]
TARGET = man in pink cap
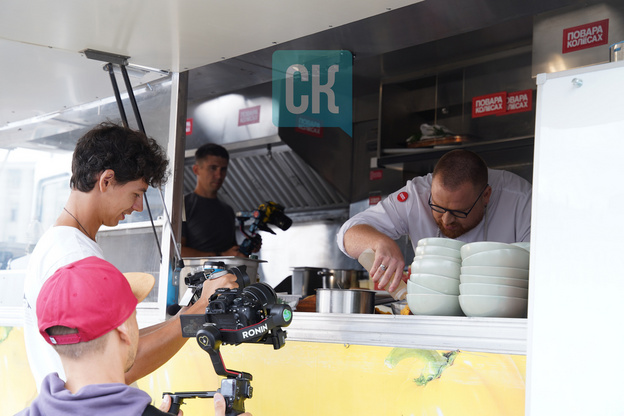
[87, 312]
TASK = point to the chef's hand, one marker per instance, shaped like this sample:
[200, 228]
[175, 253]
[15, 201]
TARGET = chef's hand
[388, 254]
[219, 406]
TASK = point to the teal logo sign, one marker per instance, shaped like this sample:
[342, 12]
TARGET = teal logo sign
[313, 88]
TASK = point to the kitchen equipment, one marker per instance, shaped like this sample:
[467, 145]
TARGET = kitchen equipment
[306, 279]
[493, 306]
[469, 249]
[345, 301]
[195, 264]
[443, 305]
[340, 278]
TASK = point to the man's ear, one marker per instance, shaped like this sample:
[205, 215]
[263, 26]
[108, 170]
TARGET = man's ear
[487, 194]
[106, 180]
[124, 333]
[195, 169]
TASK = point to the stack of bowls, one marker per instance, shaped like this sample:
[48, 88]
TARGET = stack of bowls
[494, 279]
[433, 287]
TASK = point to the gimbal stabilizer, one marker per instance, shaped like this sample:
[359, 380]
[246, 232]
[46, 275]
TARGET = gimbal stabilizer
[210, 334]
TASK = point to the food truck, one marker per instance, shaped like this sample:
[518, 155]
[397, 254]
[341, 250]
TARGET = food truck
[555, 67]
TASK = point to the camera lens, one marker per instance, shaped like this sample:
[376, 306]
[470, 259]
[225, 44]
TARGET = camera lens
[281, 220]
[262, 292]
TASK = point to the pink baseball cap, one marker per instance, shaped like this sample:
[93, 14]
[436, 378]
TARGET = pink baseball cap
[90, 295]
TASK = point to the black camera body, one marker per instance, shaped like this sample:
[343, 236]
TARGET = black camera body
[268, 213]
[249, 313]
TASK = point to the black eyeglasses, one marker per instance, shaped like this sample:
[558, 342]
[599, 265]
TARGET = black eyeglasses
[455, 213]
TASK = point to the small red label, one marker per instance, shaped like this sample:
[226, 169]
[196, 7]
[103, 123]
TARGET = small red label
[585, 36]
[374, 200]
[402, 196]
[487, 105]
[249, 115]
[519, 101]
[309, 126]
[189, 126]
[375, 174]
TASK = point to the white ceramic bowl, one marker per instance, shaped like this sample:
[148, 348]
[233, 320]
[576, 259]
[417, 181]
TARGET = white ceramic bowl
[442, 267]
[438, 251]
[469, 249]
[492, 290]
[492, 306]
[445, 305]
[525, 245]
[441, 242]
[515, 257]
[457, 260]
[441, 284]
[512, 272]
[416, 289]
[493, 280]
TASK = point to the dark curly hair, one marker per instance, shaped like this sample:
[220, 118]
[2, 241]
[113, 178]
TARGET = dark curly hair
[129, 153]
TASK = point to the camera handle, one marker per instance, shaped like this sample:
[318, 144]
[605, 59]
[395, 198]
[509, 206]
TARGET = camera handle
[235, 388]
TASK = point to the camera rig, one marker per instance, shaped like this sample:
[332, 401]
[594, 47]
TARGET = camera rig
[234, 316]
[268, 213]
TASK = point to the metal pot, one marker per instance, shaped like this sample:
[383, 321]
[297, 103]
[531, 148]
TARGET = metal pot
[306, 279]
[345, 301]
[341, 278]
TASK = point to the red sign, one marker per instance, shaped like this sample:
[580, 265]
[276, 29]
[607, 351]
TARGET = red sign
[249, 115]
[487, 105]
[402, 197]
[585, 36]
[519, 101]
[375, 174]
[189, 126]
[374, 199]
[309, 126]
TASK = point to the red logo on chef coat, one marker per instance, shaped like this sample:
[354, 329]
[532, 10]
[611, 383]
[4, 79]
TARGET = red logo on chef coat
[585, 36]
[402, 196]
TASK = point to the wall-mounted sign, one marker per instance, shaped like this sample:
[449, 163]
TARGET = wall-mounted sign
[309, 126]
[488, 105]
[189, 126]
[519, 101]
[585, 36]
[374, 198]
[249, 115]
[375, 174]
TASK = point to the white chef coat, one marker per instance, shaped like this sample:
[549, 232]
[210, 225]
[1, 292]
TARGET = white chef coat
[407, 212]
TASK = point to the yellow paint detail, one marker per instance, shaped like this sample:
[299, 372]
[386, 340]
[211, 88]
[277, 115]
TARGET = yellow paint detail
[17, 385]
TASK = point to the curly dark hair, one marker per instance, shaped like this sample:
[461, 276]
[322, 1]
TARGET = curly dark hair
[129, 153]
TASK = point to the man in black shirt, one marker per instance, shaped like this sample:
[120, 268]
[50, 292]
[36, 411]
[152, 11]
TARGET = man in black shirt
[209, 228]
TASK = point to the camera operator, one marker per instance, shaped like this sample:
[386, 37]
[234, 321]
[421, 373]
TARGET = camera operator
[112, 167]
[87, 312]
[209, 226]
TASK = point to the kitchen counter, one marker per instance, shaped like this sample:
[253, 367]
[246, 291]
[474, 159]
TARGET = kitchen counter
[496, 335]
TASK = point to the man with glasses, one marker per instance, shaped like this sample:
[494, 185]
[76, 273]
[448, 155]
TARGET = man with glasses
[462, 199]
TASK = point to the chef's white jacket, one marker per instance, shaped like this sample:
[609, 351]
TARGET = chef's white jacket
[406, 212]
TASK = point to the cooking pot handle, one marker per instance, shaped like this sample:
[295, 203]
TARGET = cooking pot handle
[325, 273]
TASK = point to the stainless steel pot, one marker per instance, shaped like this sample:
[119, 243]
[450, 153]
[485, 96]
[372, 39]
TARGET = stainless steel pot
[341, 278]
[306, 279]
[345, 301]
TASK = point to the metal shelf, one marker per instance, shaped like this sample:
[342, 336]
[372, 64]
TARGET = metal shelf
[411, 155]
